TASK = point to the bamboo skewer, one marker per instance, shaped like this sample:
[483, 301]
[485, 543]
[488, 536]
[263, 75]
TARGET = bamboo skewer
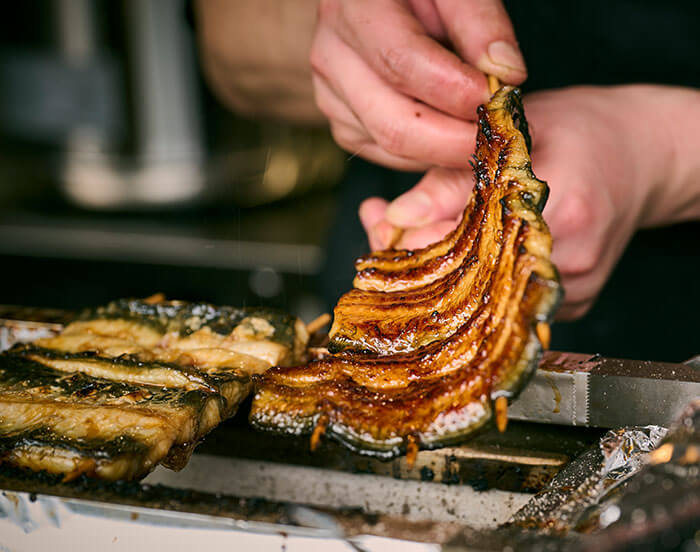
[155, 298]
[494, 84]
[501, 413]
[319, 430]
[318, 323]
[544, 334]
[396, 234]
[411, 451]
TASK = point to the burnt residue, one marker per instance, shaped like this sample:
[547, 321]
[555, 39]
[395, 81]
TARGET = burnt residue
[350, 521]
[147, 496]
[515, 106]
[123, 446]
[450, 475]
[522, 440]
[555, 390]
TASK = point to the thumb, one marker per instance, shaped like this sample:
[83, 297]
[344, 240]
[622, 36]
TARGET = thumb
[440, 195]
[481, 32]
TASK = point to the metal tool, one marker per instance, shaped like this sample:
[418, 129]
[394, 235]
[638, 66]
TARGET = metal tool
[593, 391]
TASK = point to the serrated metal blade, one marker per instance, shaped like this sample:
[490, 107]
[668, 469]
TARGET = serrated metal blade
[594, 391]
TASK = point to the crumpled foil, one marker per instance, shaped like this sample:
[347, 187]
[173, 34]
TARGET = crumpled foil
[638, 489]
[590, 478]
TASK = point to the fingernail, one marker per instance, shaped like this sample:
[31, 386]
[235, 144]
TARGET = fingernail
[504, 54]
[411, 209]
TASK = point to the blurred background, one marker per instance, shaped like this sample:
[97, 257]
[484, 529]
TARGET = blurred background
[121, 174]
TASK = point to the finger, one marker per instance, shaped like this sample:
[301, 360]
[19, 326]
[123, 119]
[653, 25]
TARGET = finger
[346, 137]
[372, 211]
[573, 311]
[424, 236]
[483, 35]
[350, 134]
[334, 108]
[397, 47]
[582, 289]
[379, 232]
[383, 235]
[398, 124]
[426, 12]
[441, 194]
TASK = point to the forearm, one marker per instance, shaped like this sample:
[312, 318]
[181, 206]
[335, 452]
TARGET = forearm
[256, 56]
[665, 128]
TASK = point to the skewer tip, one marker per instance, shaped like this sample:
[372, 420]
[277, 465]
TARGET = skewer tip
[319, 430]
[318, 323]
[396, 234]
[544, 334]
[662, 454]
[501, 409]
[411, 451]
[494, 84]
[155, 298]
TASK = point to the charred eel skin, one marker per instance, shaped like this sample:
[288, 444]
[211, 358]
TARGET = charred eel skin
[185, 317]
[429, 340]
[135, 383]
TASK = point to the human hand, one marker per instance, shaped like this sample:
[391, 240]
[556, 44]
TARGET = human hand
[393, 92]
[255, 56]
[606, 174]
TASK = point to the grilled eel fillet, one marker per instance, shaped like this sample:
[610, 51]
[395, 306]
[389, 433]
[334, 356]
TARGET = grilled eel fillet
[133, 384]
[429, 339]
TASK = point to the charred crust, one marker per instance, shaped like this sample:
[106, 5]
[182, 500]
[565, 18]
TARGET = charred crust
[433, 334]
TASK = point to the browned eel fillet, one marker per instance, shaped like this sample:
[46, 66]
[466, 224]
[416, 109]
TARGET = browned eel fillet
[135, 383]
[429, 339]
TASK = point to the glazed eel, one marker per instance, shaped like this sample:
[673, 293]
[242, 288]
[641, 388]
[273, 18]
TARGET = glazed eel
[430, 341]
[135, 383]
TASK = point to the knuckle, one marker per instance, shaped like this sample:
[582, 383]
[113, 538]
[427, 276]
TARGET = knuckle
[317, 59]
[584, 260]
[397, 64]
[324, 105]
[577, 213]
[455, 185]
[345, 139]
[578, 290]
[390, 137]
[582, 219]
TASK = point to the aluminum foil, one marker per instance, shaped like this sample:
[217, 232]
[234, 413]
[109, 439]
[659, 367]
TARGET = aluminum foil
[638, 489]
[590, 478]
